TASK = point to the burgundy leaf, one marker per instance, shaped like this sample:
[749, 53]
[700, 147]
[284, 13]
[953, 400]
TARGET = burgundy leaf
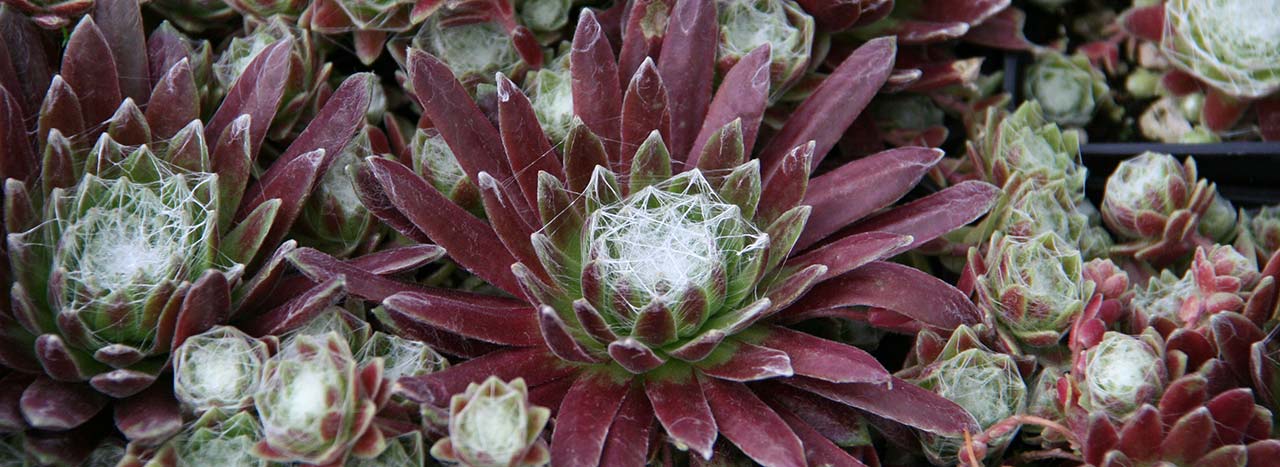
[861, 187]
[826, 360]
[515, 324]
[786, 187]
[582, 423]
[818, 450]
[688, 67]
[632, 355]
[640, 40]
[470, 241]
[851, 252]
[534, 364]
[528, 149]
[749, 362]
[150, 417]
[85, 64]
[1187, 440]
[60, 110]
[932, 216]
[54, 405]
[742, 94]
[597, 93]
[17, 157]
[511, 229]
[682, 409]
[751, 425]
[887, 285]
[628, 442]
[825, 114]
[473, 140]
[207, 303]
[257, 93]
[898, 401]
[644, 109]
[121, 24]
[556, 334]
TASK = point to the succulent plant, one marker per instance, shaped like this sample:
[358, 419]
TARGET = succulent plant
[1069, 89]
[476, 39]
[987, 384]
[217, 437]
[493, 424]
[1224, 65]
[1032, 286]
[1160, 208]
[433, 160]
[308, 73]
[1132, 417]
[317, 405]
[334, 220]
[1121, 373]
[219, 369]
[1026, 144]
[607, 331]
[748, 24]
[1031, 209]
[1229, 45]
[135, 229]
[1258, 234]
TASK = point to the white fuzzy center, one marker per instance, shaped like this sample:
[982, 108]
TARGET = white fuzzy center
[306, 401]
[1118, 367]
[494, 426]
[656, 242]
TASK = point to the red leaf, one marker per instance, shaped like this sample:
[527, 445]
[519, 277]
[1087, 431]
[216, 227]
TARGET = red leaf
[902, 289]
[898, 401]
[826, 360]
[751, 425]
[470, 242]
[628, 443]
[597, 94]
[534, 364]
[687, 66]
[582, 423]
[750, 363]
[743, 94]
[825, 114]
[514, 324]
[682, 409]
[933, 216]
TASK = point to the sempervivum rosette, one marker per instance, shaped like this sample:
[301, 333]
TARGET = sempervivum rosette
[1069, 89]
[648, 291]
[1031, 286]
[324, 398]
[1145, 400]
[747, 24]
[493, 424]
[987, 384]
[1222, 53]
[136, 226]
[1258, 233]
[1162, 210]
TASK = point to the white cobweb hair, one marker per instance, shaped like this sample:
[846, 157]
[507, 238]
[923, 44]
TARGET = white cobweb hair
[127, 238]
[666, 237]
[217, 370]
[1234, 45]
[986, 385]
[1116, 371]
